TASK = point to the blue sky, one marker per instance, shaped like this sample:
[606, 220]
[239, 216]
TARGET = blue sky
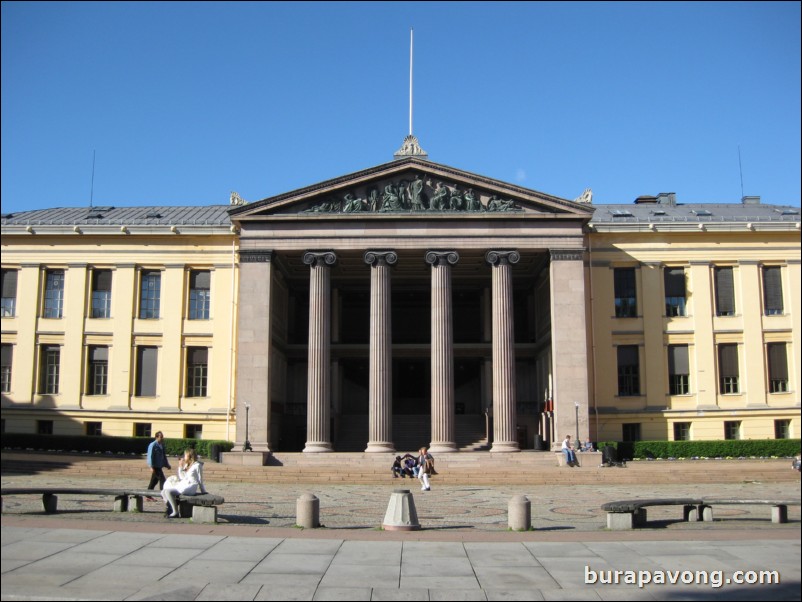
[184, 102]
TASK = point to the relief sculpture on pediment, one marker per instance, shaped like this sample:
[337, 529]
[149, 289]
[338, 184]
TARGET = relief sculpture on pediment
[417, 195]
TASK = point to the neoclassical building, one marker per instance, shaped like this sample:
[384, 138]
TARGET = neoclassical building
[405, 304]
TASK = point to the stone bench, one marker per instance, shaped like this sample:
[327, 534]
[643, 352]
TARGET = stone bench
[629, 514]
[50, 496]
[202, 507]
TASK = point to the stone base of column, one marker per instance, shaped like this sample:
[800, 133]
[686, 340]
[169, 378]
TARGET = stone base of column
[317, 447]
[380, 447]
[443, 447]
[505, 447]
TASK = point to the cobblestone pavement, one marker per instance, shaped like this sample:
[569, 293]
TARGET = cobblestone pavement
[446, 508]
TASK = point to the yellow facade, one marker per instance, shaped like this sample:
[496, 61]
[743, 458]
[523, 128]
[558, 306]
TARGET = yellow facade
[84, 399]
[155, 381]
[703, 409]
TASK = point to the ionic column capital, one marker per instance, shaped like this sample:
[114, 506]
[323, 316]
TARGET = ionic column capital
[320, 258]
[377, 258]
[434, 258]
[502, 257]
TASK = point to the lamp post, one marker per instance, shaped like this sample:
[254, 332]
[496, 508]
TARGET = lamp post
[576, 408]
[247, 445]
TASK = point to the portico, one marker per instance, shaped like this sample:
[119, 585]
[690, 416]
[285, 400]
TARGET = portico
[411, 304]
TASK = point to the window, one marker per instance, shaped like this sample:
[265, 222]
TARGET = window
[101, 294]
[142, 429]
[44, 427]
[626, 305]
[728, 369]
[150, 294]
[197, 371]
[49, 370]
[9, 286]
[199, 294]
[5, 368]
[778, 368]
[732, 429]
[725, 292]
[93, 429]
[628, 371]
[98, 370]
[772, 291]
[674, 281]
[54, 294]
[631, 431]
[782, 429]
[146, 364]
[678, 370]
[682, 431]
[193, 431]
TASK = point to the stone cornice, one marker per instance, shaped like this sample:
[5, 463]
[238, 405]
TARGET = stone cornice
[256, 255]
[567, 254]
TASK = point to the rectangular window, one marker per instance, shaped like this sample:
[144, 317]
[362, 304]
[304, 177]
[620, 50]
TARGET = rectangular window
[199, 294]
[782, 429]
[778, 368]
[5, 368]
[728, 369]
[732, 429]
[682, 431]
[193, 431]
[197, 371]
[626, 305]
[150, 294]
[98, 370]
[678, 370]
[725, 292]
[628, 371]
[93, 429]
[54, 294]
[44, 427]
[146, 364]
[49, 370]
[674, 281]
[101, 294]
[9, 287]
[772, 291]
[631, 431]
[142, 429]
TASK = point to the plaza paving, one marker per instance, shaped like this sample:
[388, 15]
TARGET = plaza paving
[464, 550]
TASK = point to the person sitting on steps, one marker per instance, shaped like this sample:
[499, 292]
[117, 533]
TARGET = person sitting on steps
[568, 450]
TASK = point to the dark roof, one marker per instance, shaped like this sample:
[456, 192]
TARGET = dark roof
[655, 213]
[163, 215]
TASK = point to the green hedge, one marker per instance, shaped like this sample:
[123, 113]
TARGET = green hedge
[111, 445]
[731, 448]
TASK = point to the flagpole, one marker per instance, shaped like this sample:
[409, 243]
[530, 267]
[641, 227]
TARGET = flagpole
[410, 79]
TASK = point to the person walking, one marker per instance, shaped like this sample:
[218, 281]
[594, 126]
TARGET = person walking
[425, 468]
[157, 460]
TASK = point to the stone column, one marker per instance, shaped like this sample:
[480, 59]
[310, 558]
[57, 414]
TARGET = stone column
[504, 394]
[380, 412]
[253, 346]
[569, 344]
[443, 439]
[318, 401]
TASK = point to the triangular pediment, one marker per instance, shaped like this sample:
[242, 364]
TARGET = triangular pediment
[412, 187]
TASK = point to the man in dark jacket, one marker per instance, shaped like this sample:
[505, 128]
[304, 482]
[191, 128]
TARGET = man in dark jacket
[157, 460]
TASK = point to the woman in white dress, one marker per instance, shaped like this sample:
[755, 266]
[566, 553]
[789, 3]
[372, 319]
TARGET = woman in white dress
[189, 481]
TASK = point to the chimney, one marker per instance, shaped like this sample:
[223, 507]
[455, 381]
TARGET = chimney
[667, 198]
[750, 200]
[646, 200]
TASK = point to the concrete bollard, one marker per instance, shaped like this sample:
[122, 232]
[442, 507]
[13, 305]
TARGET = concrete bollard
[307, 510]
[401, 514]
[519, 512]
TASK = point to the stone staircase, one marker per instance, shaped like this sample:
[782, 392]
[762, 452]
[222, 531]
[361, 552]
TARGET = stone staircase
[463, 468]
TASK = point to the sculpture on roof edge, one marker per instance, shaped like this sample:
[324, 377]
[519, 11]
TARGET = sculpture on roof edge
[585, 197]
[236, 199]
[410, 148]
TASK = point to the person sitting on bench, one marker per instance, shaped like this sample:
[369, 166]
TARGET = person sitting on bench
[188, 482]
[568, 450]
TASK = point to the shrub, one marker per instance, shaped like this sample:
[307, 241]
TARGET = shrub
[734, 448]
